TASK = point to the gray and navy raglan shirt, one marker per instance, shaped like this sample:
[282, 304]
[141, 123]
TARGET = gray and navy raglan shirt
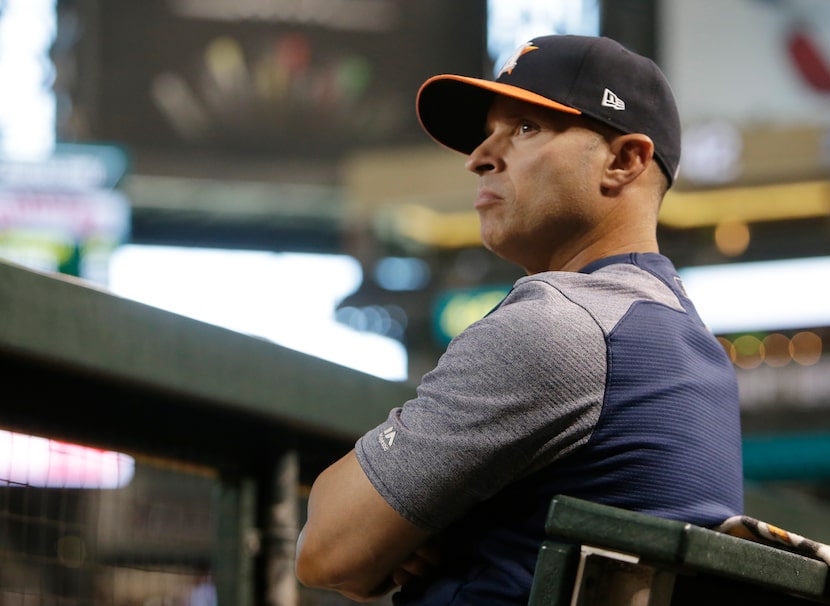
[602, 384]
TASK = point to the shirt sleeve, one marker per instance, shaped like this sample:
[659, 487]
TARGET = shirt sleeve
[512, 393]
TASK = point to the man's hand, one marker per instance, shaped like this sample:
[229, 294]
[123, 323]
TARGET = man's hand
[421, 563]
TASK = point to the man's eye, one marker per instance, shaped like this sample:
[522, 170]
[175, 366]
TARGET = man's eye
[527, 127]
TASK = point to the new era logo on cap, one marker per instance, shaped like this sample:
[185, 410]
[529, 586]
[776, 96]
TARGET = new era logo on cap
[609, 99]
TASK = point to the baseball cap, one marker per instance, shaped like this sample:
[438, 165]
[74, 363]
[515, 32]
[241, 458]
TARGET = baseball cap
[593, 76]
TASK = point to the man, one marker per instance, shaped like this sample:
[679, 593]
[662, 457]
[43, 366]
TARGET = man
[594, 377]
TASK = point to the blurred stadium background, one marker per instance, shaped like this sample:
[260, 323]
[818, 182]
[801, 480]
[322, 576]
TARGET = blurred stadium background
[229, 247]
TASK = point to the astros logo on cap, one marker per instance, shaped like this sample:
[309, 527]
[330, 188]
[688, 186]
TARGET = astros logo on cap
[514, 58]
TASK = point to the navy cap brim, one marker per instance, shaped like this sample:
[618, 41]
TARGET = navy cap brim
[453, 109]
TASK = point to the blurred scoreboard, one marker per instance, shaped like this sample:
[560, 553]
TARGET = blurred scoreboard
[283, 77]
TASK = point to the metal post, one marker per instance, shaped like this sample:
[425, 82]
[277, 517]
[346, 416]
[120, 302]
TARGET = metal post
[236, 543]
[281, 533]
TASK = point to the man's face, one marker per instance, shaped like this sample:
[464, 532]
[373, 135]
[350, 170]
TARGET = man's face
[539, 173]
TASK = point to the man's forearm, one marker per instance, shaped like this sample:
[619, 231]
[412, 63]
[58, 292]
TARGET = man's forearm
[353, 541]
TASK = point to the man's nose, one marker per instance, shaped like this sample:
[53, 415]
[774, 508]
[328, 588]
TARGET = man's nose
[485, 158]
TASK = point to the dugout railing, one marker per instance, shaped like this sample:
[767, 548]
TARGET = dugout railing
[224, 430]
[597, 555]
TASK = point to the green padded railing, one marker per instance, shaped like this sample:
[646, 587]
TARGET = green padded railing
[699, 555]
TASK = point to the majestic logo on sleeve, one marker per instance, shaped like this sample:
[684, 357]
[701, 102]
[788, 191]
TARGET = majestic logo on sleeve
[514, 58]
[387, 437]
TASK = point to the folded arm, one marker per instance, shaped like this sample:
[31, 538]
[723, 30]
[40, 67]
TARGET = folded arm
[354, 542]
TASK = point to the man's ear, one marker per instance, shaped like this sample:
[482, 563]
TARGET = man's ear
[631, 155]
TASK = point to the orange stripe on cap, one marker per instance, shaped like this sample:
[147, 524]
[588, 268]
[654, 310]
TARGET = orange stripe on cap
[504, 89]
